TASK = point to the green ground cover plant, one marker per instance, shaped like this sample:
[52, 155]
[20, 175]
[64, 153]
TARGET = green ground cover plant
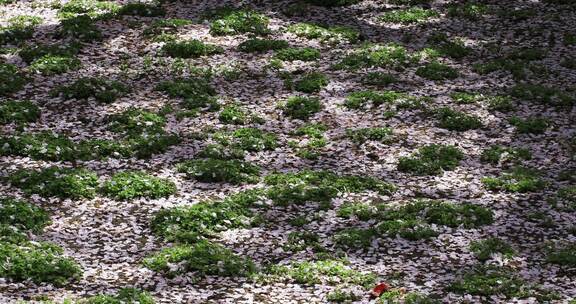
[391, 55]
[128, 185]
[431, 160]
[123, 295]
[324, 33]
[229, 21]
[409, 15]
[11, 79]
[317, 272]
[301, 107]
[19, 29]
[187, 224]
[101, 89]
[193, 48]
[517, 179]
[56, 182]
[217, 170]
[302, 54]
[499, 154]
[203, 258]
[362, 135]
[483, 249]
[453, 120]
[38, 262]
[437, 71]
[20, 112]
[311, 82]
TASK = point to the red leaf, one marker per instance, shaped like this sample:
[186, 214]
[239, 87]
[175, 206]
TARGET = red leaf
[379, 289]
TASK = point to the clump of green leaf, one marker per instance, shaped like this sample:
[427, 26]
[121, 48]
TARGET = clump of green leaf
[229, 21]
[203, 258]
[354, 238]
[409, 2]
[313, 143]
[301, 240]
[498, 154]
[217, 170]
[44, 145]
[311, 82]
[197, 93]
[437, 71]
[564, 255]
[19, 29]
[328, 34]
[569, 63]
[29, 53]
[484, 249]
[193, 48]
[22, 216]
[518, 62]
[528, 54]
[11, 80]
[186, 87]
[235, 114]
[532, 125]
[379, 79]
[124, 295]
[204, 219]
[565, 198]
[101, 89]
[54, 64]
[135, 121]
[362, 135]
[490, 281]
[319, 186]
[128, 185]
[413, 220]
[332, 3]
[256, 45]
[94, 9]
[38, 262]
[164, 27]
[302, 54]
[409, 15]
[453, 48]
[499, 103]
[342, 296]
[81, 27]
[465, 97]
[457, 121]
[396, 296]
[197, 103]
[220, 151]
[431, 160]
[518, 179]
[329, 272]
[142, 9]
[301, 107]
[20, 112]
[542, 94]
[56, 182]
[143, 132]
[371, 55]
[57, 147]
[360, 210]
[248, 139]
[471, 10]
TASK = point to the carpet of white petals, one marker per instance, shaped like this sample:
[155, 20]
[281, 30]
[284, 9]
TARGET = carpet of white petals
[109, 238]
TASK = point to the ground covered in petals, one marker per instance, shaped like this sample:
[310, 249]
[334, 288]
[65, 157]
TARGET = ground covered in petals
[291, 151]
